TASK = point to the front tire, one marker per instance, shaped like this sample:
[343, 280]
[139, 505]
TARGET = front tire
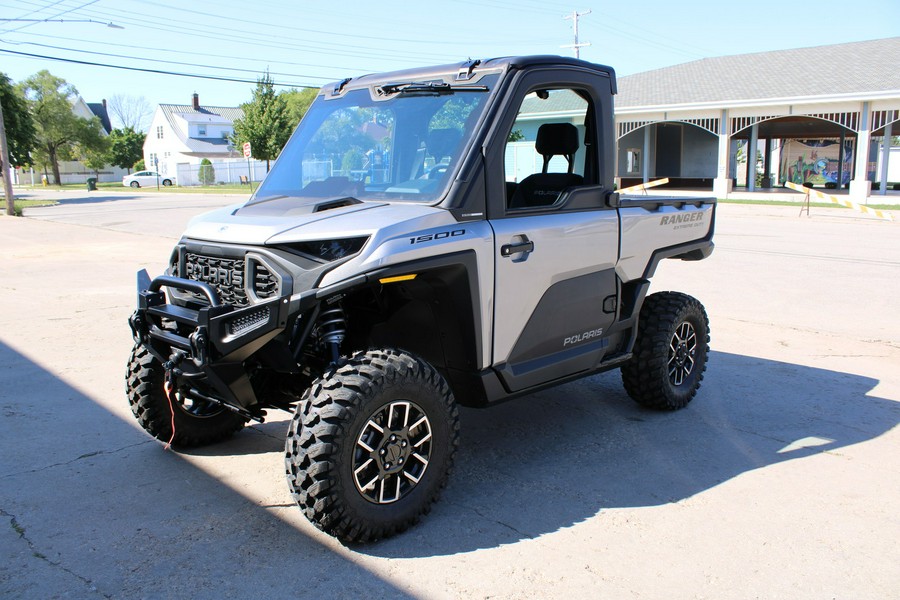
[670, 352]
[135, 184]
[371, 445]
[196, 423]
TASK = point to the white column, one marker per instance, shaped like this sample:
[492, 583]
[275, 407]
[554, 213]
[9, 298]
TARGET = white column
[751, 157]
[722, 184]
[885, 157]
[860, 187]
[645, 154]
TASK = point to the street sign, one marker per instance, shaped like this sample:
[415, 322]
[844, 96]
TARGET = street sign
[246, 149]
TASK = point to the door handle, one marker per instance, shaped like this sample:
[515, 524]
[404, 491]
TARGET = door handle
[525, 247]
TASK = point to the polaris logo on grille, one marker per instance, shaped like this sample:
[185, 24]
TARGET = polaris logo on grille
[214, 275]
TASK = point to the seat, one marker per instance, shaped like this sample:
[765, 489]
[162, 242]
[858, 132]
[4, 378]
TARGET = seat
[442, 143]
[543, 189]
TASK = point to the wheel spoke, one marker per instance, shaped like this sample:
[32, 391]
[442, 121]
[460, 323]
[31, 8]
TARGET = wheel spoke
[363, 466]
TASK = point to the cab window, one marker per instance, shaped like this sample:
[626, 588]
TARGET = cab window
[545, 151]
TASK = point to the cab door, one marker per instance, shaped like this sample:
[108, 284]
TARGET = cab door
[556, 242]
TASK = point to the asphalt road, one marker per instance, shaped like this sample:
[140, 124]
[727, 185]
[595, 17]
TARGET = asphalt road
[780, 480]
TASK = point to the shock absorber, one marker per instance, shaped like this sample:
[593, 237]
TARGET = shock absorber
[332, 324]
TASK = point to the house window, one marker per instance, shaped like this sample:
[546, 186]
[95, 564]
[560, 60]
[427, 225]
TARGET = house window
[633, 160]
[154, 159]
[167, 154]
[159, 132]
[201, 130]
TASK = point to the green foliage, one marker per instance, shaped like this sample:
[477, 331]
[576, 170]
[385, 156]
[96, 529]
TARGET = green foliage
[207, 174]
[298, 102]
[139, 165]
[94, 153]
[453, 114]
[352, 160]
[58, 129]
[126, 147]
[20, 134]
[515, 135]
[265, 123]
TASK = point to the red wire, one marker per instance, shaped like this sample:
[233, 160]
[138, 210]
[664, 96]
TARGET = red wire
[167, 386]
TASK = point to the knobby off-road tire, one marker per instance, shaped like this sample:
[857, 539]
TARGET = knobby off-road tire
[371, 445]
[196, 423]
[670, 352]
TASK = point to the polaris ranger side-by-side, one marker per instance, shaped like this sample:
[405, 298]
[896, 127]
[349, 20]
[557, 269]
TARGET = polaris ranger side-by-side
[427, 238]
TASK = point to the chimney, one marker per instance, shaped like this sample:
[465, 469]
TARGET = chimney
[104, 104]
[196, 101]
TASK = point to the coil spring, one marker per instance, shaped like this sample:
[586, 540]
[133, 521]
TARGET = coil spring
[332, 325]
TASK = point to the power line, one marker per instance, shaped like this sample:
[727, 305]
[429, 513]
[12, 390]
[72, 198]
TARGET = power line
[156, 71]
[65, 12]
[170, 62]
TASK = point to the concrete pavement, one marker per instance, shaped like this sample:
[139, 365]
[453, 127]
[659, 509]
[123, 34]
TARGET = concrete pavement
[779, 481]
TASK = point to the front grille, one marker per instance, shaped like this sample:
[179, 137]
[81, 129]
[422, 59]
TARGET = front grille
[230, 277]
[265, 284]
[225, 275]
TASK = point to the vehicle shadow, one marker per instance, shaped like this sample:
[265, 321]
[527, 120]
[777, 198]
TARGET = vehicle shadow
[91, 506]
[536, 465]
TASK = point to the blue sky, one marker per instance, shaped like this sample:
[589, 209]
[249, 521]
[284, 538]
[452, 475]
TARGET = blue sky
[310, 43]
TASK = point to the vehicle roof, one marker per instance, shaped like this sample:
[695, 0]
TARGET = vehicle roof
[481, 66]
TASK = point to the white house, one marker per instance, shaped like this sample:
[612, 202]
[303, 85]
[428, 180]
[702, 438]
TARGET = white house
[182, 135]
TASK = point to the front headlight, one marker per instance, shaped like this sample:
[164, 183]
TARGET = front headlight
[328, 250]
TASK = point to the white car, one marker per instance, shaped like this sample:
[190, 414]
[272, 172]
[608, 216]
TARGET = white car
[148, 178]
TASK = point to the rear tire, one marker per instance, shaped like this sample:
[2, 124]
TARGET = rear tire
[167, 182]
[196, 424]
[670, 352]
[371, 445]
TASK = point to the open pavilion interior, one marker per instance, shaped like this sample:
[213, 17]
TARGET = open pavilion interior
[819, 116]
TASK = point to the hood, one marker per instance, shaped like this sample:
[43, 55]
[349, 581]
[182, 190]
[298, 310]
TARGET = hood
[288, 219]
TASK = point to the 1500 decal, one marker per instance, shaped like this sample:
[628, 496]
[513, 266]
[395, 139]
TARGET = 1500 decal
[441, 235]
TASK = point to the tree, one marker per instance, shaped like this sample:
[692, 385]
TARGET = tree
[131, 112]
[93, 150]
[265, 122]
[126, 147]
[20, 134]
[298, 102]
[58, 129]
[207, 173]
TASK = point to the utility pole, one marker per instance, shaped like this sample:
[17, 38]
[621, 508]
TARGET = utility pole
[4, 169]
[577, 46]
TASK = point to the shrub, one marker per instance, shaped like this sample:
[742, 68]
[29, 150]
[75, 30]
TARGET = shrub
[207, 174]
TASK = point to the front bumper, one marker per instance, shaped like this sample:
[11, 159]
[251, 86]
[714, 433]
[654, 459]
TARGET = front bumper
[208, 343]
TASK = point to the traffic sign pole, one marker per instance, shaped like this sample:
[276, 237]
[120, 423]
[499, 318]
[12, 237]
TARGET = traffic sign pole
[247, 153]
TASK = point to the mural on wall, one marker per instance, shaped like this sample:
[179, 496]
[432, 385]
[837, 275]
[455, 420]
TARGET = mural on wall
[815, 161]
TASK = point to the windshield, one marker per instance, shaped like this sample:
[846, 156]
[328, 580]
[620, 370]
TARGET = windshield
[402, 144]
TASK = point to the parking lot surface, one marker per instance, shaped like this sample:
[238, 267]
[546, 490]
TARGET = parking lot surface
[780, 480]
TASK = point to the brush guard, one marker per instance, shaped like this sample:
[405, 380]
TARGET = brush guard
[211, 343]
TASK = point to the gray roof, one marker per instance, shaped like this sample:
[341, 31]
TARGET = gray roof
[228, 112]
[558, 101]
[99, 109]
[853, 68]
